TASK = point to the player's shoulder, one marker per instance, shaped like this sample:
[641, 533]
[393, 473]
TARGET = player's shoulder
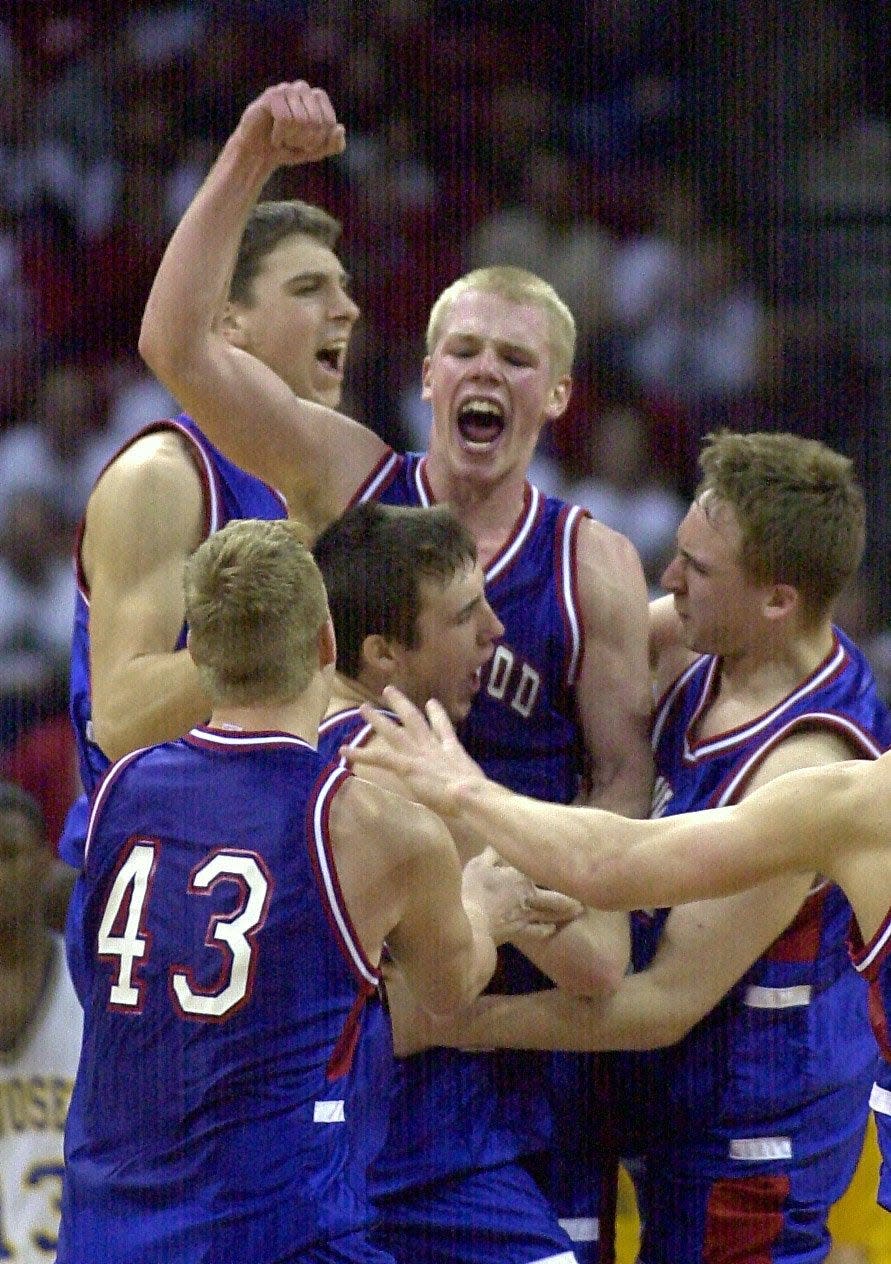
[367, 810]
[155, 477]
[161, 454]
[604, 548]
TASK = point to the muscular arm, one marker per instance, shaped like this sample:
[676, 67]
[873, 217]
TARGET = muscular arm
[144, 518]
[401, 877]
[705, 948]
[613, 693]
[315, 456]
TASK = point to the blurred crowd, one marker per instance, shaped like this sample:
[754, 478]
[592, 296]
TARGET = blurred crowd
[705, 184]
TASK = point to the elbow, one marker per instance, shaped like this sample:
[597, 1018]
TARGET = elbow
[667, 1030]
[114, 739]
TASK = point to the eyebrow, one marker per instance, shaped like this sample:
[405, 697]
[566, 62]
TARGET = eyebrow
[341, 276]
[502, 345]
[470, 605]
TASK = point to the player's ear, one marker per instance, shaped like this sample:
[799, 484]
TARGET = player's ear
[559, 400]
[781, 601]
[425, 379]
[232, 326]
[327, 644]
[377, 655]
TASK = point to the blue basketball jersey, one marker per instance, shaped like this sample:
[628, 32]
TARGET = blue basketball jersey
[225, 986]
[872, 961]
[229, 492]
[455, 1111]
[784, 1062]
[373, 1064]
[522, 727]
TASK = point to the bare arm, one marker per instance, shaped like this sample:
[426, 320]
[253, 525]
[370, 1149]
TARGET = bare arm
[704, 950]
[609, 861]
[315, 456]
[401, 877]
[587, 956]
[613, 695]
[144, 518]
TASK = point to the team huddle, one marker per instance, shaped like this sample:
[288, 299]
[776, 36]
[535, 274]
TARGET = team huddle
[359, 983]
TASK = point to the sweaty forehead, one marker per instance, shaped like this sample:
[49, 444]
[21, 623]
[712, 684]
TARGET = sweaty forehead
[299, 254]
[479, 314]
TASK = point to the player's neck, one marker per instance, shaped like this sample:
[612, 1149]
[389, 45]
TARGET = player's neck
[765, 673]
[299, 719]
[348, 692]
[488, 509]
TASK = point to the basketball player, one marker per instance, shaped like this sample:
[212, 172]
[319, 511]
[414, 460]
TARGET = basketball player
[238, 892]
[132, 682]
[752, 1125]
[40, 1035]
[564, 704]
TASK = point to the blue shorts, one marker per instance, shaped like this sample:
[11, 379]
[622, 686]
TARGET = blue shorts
[354, 1248]
[880, 1101]
[775, 1213]
[497, 1216]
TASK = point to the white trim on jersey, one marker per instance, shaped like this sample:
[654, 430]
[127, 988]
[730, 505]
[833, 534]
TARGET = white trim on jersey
[668, 702]
[382, 475]
[568, 589]
[880, 1100]
[581, 1228]
[881, 940]
[758, 997]
[328, 1112]
[704, 749]
[213, 737]
[760, 1149]
[102, 792]
[357, 955]
[519, 540]
[825, 719]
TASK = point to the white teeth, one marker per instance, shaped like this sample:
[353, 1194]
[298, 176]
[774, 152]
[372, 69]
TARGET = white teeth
[482, 406]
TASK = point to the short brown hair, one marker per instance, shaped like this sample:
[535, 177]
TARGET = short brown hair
[255, 603]
[270, 223]
[373, 560]
[517, 286]
[798, 505]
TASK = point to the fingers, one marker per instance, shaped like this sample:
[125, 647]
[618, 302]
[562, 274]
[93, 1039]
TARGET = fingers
[554, 906]
[413, 722]
[439, 721]
[304, 124]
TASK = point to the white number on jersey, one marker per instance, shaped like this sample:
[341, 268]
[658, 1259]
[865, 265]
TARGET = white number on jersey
[123, 938]
[128, 945]
[236, 934]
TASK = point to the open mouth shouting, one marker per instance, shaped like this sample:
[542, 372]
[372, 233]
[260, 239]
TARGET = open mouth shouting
[330, 358]
[480, 423]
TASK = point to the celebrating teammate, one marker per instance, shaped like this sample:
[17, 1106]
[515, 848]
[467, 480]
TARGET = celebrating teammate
[238, 890]
[564, 703]
[763, 1103]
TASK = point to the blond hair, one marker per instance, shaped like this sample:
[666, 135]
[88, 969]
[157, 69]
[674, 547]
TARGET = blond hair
[799, 508]
[255, 603]
[517, 286]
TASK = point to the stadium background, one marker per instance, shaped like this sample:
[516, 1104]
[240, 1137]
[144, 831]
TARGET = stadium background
[706, 183]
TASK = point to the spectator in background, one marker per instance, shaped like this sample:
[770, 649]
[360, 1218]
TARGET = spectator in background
[689, 325]
[40, 1037]
[624, 488]
[36, 609]
[546, 230]
[51, 449]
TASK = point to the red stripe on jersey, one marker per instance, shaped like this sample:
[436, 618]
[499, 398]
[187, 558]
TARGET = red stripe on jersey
[800, 941]
[744, 1219]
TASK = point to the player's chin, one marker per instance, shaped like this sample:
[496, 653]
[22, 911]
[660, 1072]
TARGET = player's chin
[458, 709]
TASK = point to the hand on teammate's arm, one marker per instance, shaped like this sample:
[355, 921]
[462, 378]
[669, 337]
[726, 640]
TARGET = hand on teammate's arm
[510, 904]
